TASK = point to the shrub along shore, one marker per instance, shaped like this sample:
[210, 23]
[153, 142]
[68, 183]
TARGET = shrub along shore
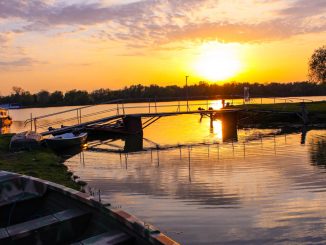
[41, 163]
[202, 90]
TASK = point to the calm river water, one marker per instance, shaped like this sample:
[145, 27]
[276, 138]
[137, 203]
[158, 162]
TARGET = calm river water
[263, 186]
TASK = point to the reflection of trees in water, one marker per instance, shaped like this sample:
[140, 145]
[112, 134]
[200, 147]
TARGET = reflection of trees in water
[318, 153]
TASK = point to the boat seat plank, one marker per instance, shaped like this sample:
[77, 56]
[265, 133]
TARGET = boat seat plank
[23, 196]
[69, 214]
[55, 228]
[4, 236]
[31, 225]
[107, 238]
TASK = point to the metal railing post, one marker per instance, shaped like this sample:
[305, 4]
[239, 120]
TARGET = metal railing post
[31, 121]
[77, 116]
[149, 105]
[155, 106]
[35, 126]
[118, 109]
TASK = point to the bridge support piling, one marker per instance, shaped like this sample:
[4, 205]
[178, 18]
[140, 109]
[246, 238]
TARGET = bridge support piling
[133, 124]
[211, 116]
[230, 125]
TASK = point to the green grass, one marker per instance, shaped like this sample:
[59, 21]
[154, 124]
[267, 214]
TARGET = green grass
[41, 163]
[314, 107]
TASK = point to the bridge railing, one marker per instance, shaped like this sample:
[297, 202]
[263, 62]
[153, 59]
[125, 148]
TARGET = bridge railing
[122, 107]
[83, 114]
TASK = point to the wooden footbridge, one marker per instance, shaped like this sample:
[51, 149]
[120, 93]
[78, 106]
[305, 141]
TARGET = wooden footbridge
[112, 111]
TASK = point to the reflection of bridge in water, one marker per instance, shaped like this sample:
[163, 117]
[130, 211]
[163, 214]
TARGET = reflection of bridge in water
[231, 149]
[135, 143]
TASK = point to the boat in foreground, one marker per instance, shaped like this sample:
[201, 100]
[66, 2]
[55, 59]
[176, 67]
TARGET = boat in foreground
[34, 211]
[63, 141]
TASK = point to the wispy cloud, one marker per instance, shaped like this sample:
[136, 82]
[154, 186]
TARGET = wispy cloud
[156, 22]
[162, 21]
[25, 62]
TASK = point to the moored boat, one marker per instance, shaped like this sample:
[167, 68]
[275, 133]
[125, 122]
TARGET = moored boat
[5, 119]
[34, 211]
[64, 141]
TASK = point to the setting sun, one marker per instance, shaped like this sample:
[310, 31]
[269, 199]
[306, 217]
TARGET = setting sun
[217, 61]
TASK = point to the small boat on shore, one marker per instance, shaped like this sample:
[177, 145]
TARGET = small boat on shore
[5, 119]
[34, 211]
[64, 141]
[11, 106]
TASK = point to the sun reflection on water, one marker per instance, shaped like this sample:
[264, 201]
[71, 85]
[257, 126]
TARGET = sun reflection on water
[217, 104]
[217, 129]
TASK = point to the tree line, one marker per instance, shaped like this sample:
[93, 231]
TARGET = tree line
[142, 93]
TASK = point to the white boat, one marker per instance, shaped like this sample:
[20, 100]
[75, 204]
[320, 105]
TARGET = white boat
[5, 119]
[66, 140]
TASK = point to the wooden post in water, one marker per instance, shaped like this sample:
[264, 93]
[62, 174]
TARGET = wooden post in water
[304, 113]
[211, 119]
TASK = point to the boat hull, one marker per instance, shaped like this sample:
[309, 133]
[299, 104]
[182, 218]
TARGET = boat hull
[34, 211]
[55, 143]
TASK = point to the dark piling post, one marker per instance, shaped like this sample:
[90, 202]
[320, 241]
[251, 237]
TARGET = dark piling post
[229, 126]
[211, 120]
[133, 124]
[304, 113]
[134, 143]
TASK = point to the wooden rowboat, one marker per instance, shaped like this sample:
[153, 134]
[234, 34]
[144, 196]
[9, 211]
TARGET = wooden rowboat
[34, 211]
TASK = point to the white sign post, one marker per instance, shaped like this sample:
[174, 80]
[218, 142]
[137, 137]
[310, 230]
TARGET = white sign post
[246, 96]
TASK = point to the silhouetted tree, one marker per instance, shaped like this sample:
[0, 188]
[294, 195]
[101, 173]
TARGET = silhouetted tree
[142, 93]
[17, 90]
[56, 98]
[43, 97]
[317, 65]
[77, 97]
[101, 95]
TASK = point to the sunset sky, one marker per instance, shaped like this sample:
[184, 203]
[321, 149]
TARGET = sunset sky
[62, 45]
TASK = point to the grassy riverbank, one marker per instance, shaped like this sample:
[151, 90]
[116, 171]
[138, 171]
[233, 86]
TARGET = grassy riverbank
[41, 163]
[261, 115]
[312, 107]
